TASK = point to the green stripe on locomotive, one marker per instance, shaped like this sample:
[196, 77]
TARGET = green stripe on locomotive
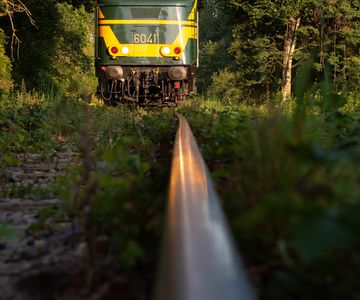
[145, 27]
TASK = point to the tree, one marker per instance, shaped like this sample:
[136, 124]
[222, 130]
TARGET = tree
[340, 43]
[273, 34]
[5, 65]
[216, 23]
[8, 8]
[292, 26]
[268, 34]
[89, 5]
[60, 43]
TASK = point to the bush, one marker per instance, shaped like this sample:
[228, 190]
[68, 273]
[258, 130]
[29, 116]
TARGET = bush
[291, 197]
[211, 62]
[5, 65]
[26, 124]
[352, 105]
[60, 47]
[225, 87]
[74, 53]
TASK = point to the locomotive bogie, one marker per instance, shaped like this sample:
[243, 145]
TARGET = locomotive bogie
[146, 84]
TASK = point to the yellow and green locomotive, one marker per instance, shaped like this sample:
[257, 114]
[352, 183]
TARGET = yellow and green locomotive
[147, 51]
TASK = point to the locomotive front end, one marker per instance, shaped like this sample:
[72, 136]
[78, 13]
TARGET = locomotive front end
[146, 50]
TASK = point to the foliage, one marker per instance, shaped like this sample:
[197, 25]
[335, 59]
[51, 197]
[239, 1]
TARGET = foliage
[291, 196]
[225, 86]
[120, 190]
[23, 124]
[63, 60]
[87, 4]
[208, 69]
[288, 180]
[5, 65]
[5, 232]
[352, 105]
[74, 50]
[328, 34]
[7, 9]
[214, 42]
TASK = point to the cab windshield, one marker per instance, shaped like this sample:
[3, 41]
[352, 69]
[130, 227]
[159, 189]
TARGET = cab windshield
[150, 12]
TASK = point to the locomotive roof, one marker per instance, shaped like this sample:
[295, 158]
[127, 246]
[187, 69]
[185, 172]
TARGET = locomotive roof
[147, 2]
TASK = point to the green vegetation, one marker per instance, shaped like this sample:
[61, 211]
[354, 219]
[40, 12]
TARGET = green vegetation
[291, 192]
[24, 123]
[5, 65]
[56, 48]
[265, 42]
[119, 187]
[293, 230]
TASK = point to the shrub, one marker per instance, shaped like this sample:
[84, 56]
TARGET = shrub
[5, 65]
[64, 62]
[291, 198]
[225, 87]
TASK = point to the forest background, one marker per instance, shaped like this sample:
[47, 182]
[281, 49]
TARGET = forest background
[250, 55]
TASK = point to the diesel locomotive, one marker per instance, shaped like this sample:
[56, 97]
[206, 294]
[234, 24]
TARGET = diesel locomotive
[147, 51]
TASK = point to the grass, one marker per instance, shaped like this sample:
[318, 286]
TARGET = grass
[288, 178]
[290, 188]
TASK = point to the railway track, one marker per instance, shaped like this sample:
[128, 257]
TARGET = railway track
[199, 257]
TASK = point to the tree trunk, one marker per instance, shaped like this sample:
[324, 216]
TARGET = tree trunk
[289, 49]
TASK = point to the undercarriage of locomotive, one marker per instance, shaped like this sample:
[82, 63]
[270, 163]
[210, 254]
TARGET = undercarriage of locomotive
[146, 85]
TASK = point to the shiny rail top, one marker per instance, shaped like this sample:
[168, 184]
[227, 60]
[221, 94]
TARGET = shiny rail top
[199, 260]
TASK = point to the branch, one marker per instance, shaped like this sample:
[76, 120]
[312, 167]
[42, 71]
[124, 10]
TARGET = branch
[11, 7]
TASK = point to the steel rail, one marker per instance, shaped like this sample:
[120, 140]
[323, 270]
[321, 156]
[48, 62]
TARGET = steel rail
[199, 260]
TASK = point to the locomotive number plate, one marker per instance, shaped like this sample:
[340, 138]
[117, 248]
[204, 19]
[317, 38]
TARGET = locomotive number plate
[142, 38]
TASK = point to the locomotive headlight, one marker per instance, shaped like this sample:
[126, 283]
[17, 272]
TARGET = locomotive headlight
[125, 50]
[165, 51]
